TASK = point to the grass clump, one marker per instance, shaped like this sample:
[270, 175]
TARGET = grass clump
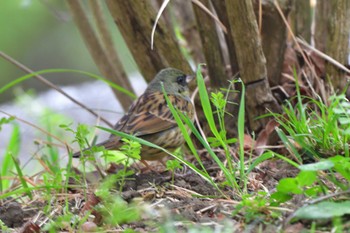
[321, 130]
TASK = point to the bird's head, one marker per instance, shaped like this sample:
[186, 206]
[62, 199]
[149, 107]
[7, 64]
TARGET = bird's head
[175, 82]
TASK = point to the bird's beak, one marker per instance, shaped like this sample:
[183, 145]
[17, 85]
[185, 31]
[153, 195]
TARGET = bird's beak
[189, 78]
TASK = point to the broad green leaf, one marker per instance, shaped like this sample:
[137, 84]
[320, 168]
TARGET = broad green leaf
[306, 178]
[324, 210]
[289, 185]
[322, 165]
[281, 197]
[342, 165]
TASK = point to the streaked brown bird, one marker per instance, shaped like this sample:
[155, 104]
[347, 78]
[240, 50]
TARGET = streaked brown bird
[150, 118]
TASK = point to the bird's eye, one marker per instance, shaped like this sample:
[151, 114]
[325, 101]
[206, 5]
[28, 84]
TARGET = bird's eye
[181, 80]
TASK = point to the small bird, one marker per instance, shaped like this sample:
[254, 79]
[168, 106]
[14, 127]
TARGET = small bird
[150, 118]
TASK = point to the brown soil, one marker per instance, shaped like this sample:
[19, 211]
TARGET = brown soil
[189, 201]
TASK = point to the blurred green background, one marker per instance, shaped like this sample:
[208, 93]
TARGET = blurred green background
[41, 34]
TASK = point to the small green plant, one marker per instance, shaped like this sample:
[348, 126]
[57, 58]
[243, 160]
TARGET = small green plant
[301, 184]
[255, 206]
[309, 183]
[220, 102]
[113, 208]
[128, 152]
[172, 165]
[3, 227]
[132, 150]
[320, 130]
[81, 134]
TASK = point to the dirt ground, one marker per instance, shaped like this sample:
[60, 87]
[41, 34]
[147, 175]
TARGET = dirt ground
[188, 201]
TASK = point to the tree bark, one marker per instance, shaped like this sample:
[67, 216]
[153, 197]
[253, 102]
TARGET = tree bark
[220, 8]
[184, 17]
[135, 20]
[274, 36]
[251, 62]
[211, 46]
[98, 52]
[323, 9]
[302, 19]
[338, 41]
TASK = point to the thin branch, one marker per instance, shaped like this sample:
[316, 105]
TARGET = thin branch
[294, 38]
[324, 56]
[53, 86]
[36, 127]
[206, 10]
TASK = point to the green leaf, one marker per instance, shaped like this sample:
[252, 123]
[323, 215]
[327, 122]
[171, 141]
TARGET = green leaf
[289, 185]
[344, 120]
[5, 120]
[281, 197]
[323, 210]
[173, 164]
[306, 178]
[204, 98]
[322, 165]
[314, 191]
[342, 165]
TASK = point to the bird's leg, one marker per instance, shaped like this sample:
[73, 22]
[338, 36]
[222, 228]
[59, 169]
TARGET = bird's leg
[162, 162]
[147, 167]
[146, 164]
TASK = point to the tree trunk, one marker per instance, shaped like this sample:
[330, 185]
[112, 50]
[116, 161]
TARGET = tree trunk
[302, 19]
[251, 62]
[338, 41]
[323, 9]
[184, 18]
[211, 46]
[221, 12]
[135, 20]
[99, 53]
[274, 36]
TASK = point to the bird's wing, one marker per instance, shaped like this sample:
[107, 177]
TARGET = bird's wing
[150, 114]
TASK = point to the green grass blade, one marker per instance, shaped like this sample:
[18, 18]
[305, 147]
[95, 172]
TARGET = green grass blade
[291, 162]
[21, 177]
[208, 112]
[7, 162]
[241, 120]
[186, 135]
[21, 191]
[183, 128]
[229, 177]
[206, 105]
[288, 144]
[267, 155]
[147, 143]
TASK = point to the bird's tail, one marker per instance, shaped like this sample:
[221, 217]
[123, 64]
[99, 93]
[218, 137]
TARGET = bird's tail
[109, 144]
